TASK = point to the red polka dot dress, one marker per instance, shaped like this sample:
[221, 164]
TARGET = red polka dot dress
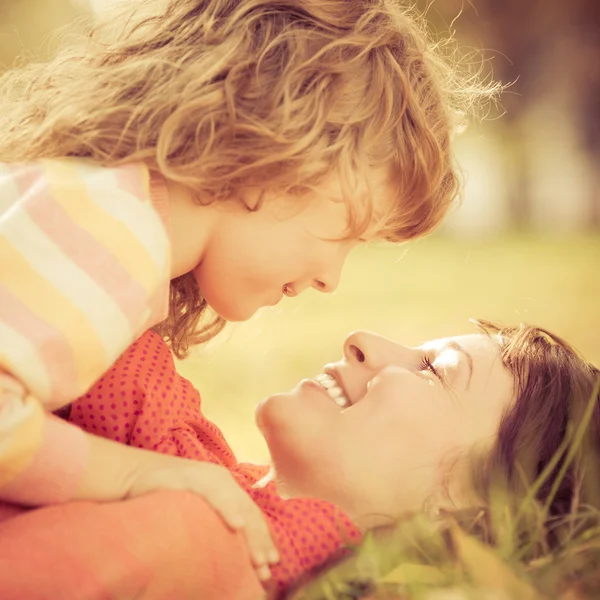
[143, 402]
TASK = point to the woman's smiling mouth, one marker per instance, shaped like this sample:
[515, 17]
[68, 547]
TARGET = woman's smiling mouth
[333, 389]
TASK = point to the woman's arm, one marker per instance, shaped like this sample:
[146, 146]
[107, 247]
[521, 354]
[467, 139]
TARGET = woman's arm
[157, 547]
[111, 471]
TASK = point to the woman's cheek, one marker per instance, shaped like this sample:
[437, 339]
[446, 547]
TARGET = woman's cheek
[407, 410]
[391, 390]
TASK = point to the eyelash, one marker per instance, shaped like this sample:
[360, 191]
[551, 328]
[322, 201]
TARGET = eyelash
[426, 365]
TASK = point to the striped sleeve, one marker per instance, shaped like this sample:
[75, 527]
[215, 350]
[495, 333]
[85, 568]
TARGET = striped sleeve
[42, 458]
[21, 422]
[84, 270]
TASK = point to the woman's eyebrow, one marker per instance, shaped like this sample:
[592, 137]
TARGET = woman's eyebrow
[454, 345]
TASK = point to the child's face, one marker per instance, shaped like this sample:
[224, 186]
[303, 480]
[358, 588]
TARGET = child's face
[290, 244]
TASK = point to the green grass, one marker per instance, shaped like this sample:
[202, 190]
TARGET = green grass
[411, 293]
[510, 549]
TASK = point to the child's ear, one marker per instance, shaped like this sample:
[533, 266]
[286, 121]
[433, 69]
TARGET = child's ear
[253, 198]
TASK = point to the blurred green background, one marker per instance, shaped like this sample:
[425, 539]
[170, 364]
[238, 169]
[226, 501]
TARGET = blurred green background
[523, 246]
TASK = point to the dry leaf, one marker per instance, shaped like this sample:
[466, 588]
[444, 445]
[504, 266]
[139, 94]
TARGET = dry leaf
[409, 573]
[487, 570]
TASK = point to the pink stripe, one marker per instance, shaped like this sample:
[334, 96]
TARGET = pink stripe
[86, 252]
[56, 471]
[50, 343]
[129, 179]
[160, 198]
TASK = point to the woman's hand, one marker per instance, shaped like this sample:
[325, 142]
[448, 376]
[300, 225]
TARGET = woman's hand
[218, 487]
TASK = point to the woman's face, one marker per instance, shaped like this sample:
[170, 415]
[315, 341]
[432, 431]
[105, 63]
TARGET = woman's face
[381, 430]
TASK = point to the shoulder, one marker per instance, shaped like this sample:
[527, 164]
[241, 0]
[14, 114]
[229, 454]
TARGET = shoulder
[75, 177]
[110, 203]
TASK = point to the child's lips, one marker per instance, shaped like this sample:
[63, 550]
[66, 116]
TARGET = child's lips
[276, 302]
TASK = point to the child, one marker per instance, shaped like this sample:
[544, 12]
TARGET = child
[190, 155]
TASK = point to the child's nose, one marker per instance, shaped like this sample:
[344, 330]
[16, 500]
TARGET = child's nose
[326, 286]
[376, 352]
[328, 280]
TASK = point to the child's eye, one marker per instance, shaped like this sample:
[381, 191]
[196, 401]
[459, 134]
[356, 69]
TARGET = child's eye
[426, 365]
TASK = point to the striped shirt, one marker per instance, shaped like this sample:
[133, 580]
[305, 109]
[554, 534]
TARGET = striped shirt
[84, 270]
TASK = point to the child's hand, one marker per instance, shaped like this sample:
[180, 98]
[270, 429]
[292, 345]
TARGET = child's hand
[116, 471]
[218, 487]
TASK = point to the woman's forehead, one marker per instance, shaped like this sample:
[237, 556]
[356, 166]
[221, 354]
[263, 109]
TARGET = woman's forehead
[470, 342]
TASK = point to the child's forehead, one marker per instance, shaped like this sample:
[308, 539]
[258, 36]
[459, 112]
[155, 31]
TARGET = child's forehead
[370, 191]
[367, 199]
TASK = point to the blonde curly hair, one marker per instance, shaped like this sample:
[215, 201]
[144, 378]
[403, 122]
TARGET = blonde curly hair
[222, 95]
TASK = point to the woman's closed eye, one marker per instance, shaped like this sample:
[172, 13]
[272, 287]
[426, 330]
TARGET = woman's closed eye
[427, 365]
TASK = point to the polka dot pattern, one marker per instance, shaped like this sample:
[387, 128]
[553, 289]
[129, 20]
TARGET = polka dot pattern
[143, 402]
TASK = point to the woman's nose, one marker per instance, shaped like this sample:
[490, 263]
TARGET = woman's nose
[376, 352]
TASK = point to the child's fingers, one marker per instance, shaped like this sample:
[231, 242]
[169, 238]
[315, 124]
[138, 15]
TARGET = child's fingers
[228, 511]
[246, 516]
[239, 511]
[258, 537]
[263, 573]
[218, 487]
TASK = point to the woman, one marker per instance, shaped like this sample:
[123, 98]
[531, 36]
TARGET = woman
[385, 431]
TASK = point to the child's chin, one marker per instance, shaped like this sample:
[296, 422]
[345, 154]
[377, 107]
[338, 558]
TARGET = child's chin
[234, 314]
[231, 312]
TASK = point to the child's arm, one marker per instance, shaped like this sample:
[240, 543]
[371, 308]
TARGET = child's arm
[116, 471]
[44, 460]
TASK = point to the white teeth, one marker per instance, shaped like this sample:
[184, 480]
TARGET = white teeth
[334, 391]
[326, 381]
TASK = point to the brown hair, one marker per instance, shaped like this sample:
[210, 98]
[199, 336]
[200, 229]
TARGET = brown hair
[536, 445]
[222, 95]
[557, 395]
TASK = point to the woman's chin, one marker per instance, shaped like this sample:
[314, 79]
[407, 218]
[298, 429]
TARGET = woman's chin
[274, 417]
[259, 413]
[265, 413]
